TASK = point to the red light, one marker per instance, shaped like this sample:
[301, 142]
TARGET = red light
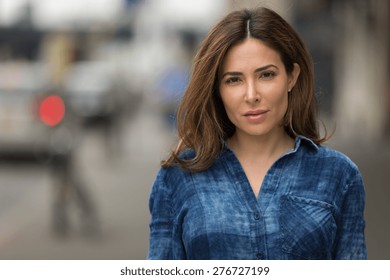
[52, 110]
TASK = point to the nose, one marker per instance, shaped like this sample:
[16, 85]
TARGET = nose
[252, 95]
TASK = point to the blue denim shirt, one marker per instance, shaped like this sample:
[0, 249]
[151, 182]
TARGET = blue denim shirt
[310, 206]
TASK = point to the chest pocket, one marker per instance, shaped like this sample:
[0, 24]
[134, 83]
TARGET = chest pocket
[307, 228]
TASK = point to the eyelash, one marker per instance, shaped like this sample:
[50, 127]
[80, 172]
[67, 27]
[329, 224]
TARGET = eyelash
[268, 75]
[232, 80]
[264, 75]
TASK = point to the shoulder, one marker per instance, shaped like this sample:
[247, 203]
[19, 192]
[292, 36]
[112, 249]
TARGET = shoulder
[327, 160]
[174, 176]
[325, 153]
[337, 158]
[187, 154]
[166, 186]
[339, 165]
[171, 176]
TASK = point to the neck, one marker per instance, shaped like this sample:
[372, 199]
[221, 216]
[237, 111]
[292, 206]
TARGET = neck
[264, 146]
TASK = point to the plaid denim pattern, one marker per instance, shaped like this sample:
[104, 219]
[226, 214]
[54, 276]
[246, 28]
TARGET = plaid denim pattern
[310, 206]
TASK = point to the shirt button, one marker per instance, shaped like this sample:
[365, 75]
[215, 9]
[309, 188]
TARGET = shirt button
[256, 216]
[259, 256]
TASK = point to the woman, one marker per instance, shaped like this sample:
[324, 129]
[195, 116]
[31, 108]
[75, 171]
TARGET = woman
[249, 178]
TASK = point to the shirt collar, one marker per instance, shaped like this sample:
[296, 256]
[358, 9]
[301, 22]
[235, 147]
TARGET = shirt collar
[302, 140]
[299, 141]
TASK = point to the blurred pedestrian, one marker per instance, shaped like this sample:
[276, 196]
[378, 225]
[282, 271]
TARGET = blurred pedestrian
[249, 178]
[72, 191]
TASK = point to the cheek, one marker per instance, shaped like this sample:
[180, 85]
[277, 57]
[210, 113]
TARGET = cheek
[280, 103]
[228, 100]
[280, 97]
[284, 105]
[284, 101]
[230, 108]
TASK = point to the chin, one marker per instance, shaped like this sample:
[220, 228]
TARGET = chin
[262, 131]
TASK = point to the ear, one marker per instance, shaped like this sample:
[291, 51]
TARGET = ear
[293, 77]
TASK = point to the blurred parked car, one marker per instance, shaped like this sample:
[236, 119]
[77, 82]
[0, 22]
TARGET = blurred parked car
[37, 123]
[34, 120]
[99, 99]
[90, 89]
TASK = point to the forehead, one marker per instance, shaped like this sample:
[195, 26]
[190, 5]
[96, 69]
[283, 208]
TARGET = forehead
[250, 53]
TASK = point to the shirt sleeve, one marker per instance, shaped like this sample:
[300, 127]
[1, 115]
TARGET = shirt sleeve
[350, 239]
[161, 224]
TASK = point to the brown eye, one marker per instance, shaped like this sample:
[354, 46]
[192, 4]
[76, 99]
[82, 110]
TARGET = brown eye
[232, 80]
[267, 75]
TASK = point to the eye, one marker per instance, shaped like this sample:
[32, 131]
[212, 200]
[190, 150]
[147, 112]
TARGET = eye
[232, 80]
[267, 75]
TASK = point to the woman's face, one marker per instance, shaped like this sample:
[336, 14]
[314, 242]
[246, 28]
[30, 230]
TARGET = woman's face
[254, 88]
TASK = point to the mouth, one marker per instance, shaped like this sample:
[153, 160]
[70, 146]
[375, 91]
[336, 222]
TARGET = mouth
[256, 116]
[255, 113]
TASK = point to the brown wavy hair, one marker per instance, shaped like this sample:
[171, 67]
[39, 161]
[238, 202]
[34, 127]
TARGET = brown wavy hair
[203, 125]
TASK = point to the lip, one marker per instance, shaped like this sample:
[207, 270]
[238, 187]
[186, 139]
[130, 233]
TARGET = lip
[255, 113]
[256, 116]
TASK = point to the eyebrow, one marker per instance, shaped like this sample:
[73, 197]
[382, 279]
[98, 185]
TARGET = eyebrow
[235, 73]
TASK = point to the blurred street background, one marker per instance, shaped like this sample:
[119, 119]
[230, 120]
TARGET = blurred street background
[88, 91]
